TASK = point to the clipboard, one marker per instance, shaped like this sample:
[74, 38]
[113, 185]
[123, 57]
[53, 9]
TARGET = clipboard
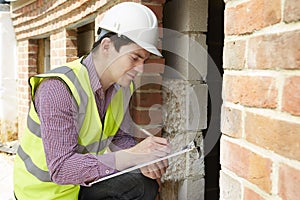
[184, 149]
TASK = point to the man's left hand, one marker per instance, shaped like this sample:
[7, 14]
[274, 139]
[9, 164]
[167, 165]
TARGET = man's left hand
[155, 170]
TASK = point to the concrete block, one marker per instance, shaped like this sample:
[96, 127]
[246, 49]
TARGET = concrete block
[194, 159]
[184, 105]
[174, 106]
[196, 106]
[197, 57]
[186, 55]
[198, 15]
[189, 15]
[178, 166]
[188, 164]
[192, 189]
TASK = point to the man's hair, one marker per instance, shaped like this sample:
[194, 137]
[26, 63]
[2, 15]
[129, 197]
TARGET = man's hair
[118, 41]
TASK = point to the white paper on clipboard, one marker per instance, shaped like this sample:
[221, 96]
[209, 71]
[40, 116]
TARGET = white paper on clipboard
[184, 149]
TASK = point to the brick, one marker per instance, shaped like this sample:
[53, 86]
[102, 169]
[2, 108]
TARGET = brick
[32, 42]
[146, 99]
[32, 71]
[231, 122]
[71, 52]
[158, 11]
[196, 101]
[291, 10]
[234, 54]
[32, 61]
[275, 51]
[154, 66]
[154, 1]
[256, 91]
[71, 43]
[23, 81]
[32, 48]
[230, 188]
[60, 52]
[250, 195]
[148, 82]
[70, 59]
[291, 95]
[289, 181]
[22, 76]
[23, 70]
[53, 54]
[146, 117]
[280, 136]
[249, 16]
[246, 164]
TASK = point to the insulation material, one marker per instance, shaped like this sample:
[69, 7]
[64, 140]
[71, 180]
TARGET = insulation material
[175, 128]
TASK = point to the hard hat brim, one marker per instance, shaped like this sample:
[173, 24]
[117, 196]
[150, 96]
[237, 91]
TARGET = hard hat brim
[148, 47]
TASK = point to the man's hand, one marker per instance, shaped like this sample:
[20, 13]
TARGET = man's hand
[149, 149]
[155, 170]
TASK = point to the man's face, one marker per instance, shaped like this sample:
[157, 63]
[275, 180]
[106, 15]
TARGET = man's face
[127, 63]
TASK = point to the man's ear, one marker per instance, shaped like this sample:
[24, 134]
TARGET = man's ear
[106, 44]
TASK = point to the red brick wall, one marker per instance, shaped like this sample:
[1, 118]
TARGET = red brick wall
[63, 47]
[145, 109]
[27, 58]
[58, 20]
[260, 144]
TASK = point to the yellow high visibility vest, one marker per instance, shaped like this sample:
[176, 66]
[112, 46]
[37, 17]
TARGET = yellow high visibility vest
[31, 175]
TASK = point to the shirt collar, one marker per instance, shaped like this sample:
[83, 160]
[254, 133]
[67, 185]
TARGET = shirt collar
[95, 81]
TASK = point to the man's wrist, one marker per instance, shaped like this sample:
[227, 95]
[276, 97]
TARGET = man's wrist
[124, 159]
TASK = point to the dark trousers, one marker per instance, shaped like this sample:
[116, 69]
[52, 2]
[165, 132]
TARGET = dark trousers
[131, 186]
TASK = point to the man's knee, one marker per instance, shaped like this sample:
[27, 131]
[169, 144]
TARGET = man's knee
[128, 186]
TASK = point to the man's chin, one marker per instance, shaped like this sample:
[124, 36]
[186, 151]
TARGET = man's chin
[125, 83]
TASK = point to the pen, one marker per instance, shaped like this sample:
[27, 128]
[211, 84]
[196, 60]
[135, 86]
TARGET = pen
[149, 134]
[146, 132]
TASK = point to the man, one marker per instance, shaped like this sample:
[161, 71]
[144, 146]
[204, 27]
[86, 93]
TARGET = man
[79, 110]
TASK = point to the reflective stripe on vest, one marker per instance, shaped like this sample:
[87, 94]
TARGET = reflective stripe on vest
[32, 168]
[30, 162]
[82, 94]
[35, 129]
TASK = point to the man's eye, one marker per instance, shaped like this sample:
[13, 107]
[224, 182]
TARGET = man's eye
[134, 58]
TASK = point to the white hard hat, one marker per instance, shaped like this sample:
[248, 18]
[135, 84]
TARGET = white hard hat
[135, 21]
